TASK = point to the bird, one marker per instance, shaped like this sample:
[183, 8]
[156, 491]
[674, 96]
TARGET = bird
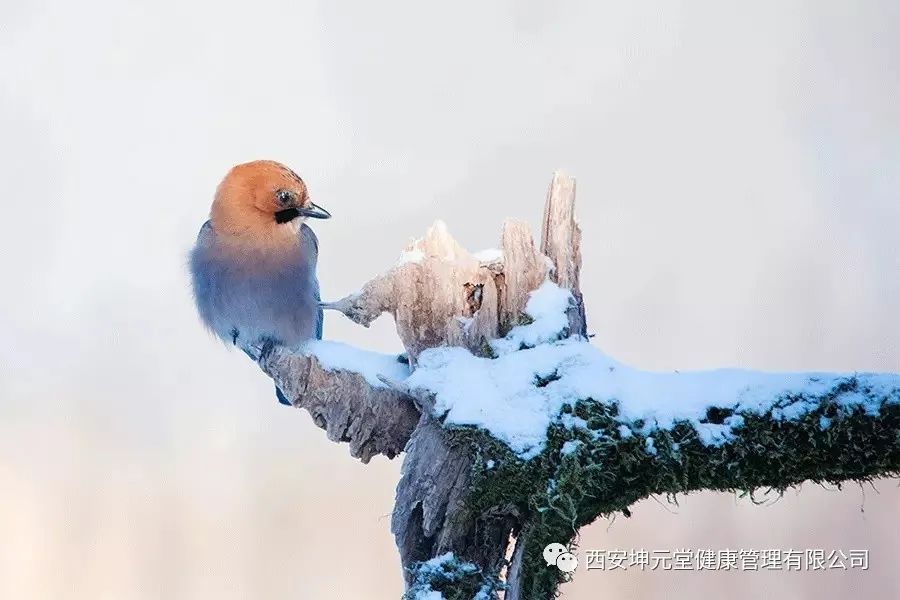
[253, 266]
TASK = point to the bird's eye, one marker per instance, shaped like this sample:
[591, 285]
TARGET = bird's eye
[284, 196]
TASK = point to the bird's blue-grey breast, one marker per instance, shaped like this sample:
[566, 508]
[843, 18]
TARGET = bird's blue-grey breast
[253, 296]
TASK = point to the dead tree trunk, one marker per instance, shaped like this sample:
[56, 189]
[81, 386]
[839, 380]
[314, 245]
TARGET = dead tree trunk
[464, 491]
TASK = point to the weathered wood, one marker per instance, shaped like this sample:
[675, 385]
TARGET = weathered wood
[430, 517]
[438, 294]
[561, 243]
[441, 295]
[514, 579]
[524, 269]
[373, 420]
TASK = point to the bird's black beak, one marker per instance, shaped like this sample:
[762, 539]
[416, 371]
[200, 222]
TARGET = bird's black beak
[314, 211]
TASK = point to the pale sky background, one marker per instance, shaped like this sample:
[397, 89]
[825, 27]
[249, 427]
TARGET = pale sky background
[738, 188]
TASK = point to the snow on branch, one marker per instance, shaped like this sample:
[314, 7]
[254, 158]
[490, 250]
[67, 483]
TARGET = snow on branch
[541, 376]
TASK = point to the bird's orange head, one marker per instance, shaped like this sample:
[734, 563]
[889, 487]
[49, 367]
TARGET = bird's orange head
[262, 202]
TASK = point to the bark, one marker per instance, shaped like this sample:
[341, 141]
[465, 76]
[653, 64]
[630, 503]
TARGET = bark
[373, 420]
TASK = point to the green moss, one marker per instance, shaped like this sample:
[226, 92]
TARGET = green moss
[486, 350]
[522, 319]
[557, 494]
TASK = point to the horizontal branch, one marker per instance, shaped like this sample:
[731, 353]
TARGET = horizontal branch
[348, 403]
[598, 461]
[849, 430]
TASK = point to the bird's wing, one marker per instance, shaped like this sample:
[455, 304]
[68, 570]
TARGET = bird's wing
[310, 245]
[309, 240]
[206, 234]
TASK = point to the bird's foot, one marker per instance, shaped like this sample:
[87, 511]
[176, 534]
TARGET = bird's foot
[260, 352]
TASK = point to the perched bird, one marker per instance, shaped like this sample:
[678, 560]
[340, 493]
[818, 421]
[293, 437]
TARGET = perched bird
[253, 267]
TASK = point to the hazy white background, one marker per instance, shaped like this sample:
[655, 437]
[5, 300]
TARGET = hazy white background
[738, 182]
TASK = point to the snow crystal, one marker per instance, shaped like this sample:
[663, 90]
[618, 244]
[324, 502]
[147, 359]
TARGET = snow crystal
[624, 432]
[650, 446]
[339, 356]
[824, 422]
[489, 465]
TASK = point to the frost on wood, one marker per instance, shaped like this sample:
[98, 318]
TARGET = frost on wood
[514, 425]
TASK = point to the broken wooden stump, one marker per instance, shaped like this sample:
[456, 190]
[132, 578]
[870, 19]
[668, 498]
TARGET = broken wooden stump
[439, 295]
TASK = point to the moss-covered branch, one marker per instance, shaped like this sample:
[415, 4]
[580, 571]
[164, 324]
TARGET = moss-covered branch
[596, 463]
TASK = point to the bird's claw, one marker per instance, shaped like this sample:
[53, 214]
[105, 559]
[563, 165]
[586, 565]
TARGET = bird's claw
[259, 353]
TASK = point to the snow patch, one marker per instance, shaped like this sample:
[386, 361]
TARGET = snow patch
[547, 307]
[334, 356]
[570, 447]
[735, 421]
[445, 568]
[571, 422]
[712, 434]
